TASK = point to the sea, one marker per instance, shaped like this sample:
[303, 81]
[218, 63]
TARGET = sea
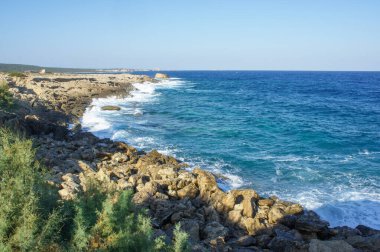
[307, 137]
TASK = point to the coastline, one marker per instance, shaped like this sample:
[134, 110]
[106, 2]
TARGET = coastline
[213, 218]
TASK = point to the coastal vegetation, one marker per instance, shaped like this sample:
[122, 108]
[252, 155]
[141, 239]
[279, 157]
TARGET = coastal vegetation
[6, 98]
[17, 74]
[23, 68]
[34, 218]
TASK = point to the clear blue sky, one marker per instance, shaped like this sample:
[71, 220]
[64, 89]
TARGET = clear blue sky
[196, 34]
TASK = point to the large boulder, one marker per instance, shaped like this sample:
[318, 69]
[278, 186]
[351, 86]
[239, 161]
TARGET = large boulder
[368, 243]
[110, 108]
[161, 76]
[206, 183]
[310, 222]
[214, 230]
[190, 191]
[329, 246]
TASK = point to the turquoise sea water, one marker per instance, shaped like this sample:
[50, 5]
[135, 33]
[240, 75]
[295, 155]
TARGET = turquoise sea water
[309, 137]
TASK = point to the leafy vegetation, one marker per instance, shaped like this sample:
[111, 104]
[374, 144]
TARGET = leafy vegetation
[17, 74]
[33, 218]
[22, 68]
[6, 98]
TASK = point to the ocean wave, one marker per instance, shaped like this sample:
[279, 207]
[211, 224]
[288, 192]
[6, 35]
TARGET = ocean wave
[92, 121]
[96, 120]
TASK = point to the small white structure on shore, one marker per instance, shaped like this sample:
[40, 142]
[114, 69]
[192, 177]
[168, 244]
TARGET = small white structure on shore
[42, 71]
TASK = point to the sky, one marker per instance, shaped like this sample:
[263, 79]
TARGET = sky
[192, 35]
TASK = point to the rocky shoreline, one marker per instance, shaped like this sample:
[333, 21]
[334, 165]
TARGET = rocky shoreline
[238, 220]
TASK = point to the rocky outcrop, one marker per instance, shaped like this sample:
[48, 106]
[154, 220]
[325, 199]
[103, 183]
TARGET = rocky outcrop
[63, 98]
[161, 76]
[116, 108]
[238, 220]
[232, 221]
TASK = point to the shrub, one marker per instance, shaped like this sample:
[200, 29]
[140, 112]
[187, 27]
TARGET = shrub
[17, 74]
[6, 98]
[180, 240]
[26, 221]
[33, 218]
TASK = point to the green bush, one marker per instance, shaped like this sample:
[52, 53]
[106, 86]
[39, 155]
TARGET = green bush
[6, 98]
[29, 211]
[33, 218]
[17, 74]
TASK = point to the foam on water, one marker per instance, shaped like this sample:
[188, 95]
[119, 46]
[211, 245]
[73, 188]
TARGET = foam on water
[348, 204]
[95, 119]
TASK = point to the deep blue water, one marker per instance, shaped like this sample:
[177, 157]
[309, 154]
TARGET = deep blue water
[310, 137]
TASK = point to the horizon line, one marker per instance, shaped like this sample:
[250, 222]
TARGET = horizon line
[153, 69]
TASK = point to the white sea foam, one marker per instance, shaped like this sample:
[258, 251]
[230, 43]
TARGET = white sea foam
[120, 135]
[349, 208]
[95, 120]
[364, 152]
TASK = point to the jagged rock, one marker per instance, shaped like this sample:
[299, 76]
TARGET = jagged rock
[275, 214]
[330, 246]
[367, 230]
[67, 194]
[247, 198]
[85, 167]
[234, 216]
[211, 214]
[120, 157]
[142, 198]
[244, 241]
[263, 240]
[342, 233]
[294, 209]
[265, 202]
[214, 230]
[122, 184]
[190, 191]
[279, 244]
[164, 210]
[310, 222]
[254, 225]
[369, 243]
[191, 227]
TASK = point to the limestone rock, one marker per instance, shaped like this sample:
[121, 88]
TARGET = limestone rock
[111, 108]
[310, 222]
[161, 76]
[214, 230]
[369, 243]
[254, 225]
[247, 198]
[191, 227]
[330, 246]
[234, 216]
[206, 183]
[190, 191]
[245, 241]
[275, 214]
